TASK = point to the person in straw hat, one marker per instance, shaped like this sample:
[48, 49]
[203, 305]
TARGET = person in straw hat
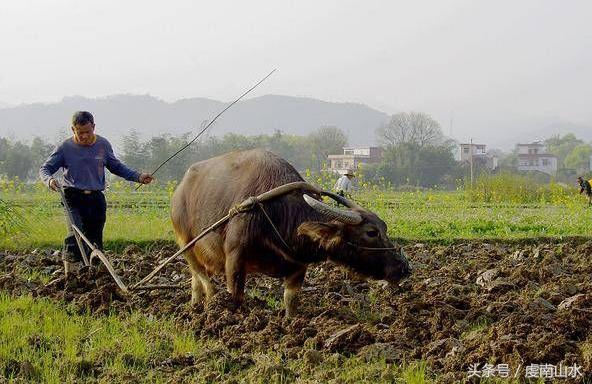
[343, 185]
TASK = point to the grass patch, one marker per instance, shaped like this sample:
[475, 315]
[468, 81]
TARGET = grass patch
[415, 373]
[514, 188]
[476, 329]
[143, 217]
[270, 298]
[44, 341]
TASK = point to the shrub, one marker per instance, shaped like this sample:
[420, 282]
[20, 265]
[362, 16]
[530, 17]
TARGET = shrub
[513, 188]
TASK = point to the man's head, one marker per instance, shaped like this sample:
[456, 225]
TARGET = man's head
[83, 127]
[580, 179]
[350, 174]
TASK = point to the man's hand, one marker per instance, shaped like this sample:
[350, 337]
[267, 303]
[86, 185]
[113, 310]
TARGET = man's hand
[145, 178]
[54, 185]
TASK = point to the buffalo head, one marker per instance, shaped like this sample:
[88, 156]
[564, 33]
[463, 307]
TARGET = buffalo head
[357, 238]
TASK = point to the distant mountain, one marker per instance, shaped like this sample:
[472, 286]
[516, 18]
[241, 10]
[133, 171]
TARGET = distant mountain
[563, 127]
[541, 129]
[117, 115]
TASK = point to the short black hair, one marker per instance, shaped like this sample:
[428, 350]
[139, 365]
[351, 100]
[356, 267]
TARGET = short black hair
[82, 118]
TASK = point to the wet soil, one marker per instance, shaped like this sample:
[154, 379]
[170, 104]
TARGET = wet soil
[464, 304]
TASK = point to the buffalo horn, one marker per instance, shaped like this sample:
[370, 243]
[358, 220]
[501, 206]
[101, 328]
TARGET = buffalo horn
[341, 200]
[348, 217]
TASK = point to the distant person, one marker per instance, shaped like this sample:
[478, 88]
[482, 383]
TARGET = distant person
[343, 186]
[83, 158]
[585, 187]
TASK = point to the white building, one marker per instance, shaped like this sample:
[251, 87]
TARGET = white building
[352, 157]
[534, 157]
[479, 154]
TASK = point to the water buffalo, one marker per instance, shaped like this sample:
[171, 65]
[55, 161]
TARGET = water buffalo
[309, 230]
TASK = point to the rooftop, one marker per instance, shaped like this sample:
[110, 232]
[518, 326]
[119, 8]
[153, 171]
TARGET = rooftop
[534, 143]
[361, 147]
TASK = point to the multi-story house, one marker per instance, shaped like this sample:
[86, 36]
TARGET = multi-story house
[534, 157]
[352, 157]
[479, 155]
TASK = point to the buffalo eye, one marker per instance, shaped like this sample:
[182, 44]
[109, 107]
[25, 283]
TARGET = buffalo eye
[372, 233]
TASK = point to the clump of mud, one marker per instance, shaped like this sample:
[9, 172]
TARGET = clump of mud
[464, 304]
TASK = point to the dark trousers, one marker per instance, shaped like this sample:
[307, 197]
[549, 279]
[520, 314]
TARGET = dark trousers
[88, 211]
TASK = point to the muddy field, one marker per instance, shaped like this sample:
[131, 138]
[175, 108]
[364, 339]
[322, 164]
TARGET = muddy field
[464, 304]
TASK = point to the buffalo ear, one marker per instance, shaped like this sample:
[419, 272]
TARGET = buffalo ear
[326, 235]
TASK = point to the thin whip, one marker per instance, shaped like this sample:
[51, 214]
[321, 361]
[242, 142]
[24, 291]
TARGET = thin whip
[209, 124]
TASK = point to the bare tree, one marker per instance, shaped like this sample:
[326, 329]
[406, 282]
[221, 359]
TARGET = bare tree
[325, 140]
[411, 127]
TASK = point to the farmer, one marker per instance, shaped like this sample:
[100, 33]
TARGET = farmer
[585, 187]
[83, 158]
[344, 183]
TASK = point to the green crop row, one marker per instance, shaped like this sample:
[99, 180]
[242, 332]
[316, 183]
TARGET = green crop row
[31, 216]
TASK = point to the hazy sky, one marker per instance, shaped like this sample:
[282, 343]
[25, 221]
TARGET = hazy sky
[485, 64]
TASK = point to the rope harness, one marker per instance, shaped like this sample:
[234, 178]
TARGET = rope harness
[286, 256]
[292, 260]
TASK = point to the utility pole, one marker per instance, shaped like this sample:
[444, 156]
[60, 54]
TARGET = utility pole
[450, 128]
[451, 121]
[471, 159]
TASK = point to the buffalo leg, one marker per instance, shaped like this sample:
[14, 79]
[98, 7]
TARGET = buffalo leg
[200, 284]
[197, 287]
[204, 252]
[209, 288]
[292, 286]
[197, 291]
[235, 276]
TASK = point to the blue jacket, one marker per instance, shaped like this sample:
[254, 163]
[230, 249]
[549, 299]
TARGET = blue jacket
[84, 166]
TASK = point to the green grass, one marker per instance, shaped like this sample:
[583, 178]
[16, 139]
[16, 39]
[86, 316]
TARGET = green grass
[44, 341]
[446, 216]
[60, 345]
[515, 188]
[132, 217]
[475, 329]
[34, 218]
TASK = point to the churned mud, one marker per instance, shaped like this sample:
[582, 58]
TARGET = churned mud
[464, 304]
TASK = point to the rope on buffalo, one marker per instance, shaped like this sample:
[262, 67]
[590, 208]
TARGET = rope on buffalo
[277, 232]
[139, 285]
[245, 206]
[80, 237]
[186, 247]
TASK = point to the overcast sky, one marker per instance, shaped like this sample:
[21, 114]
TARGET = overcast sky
[487, 65]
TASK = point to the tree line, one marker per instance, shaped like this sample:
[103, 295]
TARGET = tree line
[415, 153]
[22, 160]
